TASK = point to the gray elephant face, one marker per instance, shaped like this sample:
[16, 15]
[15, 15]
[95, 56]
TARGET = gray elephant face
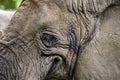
[46, 38]
[40, 43]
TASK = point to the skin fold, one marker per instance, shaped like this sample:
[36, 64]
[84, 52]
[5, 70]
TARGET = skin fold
[62, 40]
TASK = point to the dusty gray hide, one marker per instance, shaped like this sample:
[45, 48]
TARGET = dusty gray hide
[62, 40]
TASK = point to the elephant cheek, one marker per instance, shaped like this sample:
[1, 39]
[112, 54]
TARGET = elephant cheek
[45, 65]
[9, 69]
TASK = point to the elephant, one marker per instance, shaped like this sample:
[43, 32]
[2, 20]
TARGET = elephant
[62, 40]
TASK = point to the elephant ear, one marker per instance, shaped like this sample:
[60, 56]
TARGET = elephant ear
[92, 6]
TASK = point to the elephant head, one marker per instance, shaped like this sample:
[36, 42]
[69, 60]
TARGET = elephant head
[62, 40]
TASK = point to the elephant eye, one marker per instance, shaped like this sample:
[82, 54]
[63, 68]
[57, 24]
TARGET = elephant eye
[48, 40]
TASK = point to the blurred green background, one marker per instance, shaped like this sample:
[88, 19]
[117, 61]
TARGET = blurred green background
[9, 4]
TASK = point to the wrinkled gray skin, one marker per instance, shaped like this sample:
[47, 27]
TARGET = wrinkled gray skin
[62, 40]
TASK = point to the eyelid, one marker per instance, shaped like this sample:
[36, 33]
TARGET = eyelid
[50, 42]
[62, 40]
[50, 33]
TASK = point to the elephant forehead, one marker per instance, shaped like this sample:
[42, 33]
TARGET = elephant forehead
[80, 5]
[46, 18]
[34, 17]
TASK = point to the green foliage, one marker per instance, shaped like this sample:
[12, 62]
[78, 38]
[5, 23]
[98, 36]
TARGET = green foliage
[9, 4]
